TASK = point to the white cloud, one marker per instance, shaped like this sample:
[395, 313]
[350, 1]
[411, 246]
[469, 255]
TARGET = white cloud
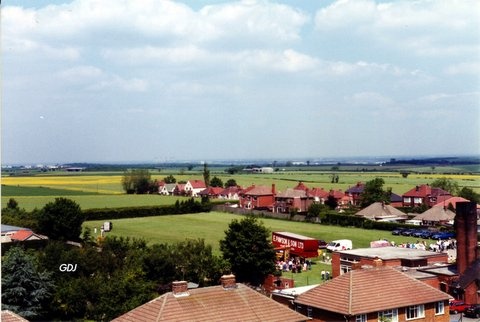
[424, 27]
[466, 68]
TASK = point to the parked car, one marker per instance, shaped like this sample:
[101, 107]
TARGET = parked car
[322, 244]
[427, 234]
[397, 231]
[443, 235]
[341, 244]
[458, 306]
[408, 232]
[473, 311]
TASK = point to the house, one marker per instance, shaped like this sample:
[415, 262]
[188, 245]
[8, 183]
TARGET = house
[292, 200]
[211, 192]
[318, 195]
[193, 187]
[179, 189]
[355, 192]
[370, 294]
[436, 216]
[424, 195]
[260, 197]
[345, 261]
[343, 200]
[167, 189]
[226, 302]
[231, 193]
[379, 211]
[27, 235]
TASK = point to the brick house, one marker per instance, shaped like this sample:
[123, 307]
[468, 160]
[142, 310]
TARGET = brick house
[230, 193]
[355, 193]
[424, 195]
[226, 302]
[347, 260]
[292, 199]
[260, 197]
[367, 295]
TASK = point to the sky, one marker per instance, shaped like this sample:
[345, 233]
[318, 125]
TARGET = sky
[157, 81]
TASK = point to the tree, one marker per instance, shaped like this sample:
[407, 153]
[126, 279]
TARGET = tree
[469, 194]
[169, 179]
[446, 184]
[373, 192]
[316, 210]
[136, 181]
[230, 183]
[206, 174]
[247, 248]
[61, 219]
[216, 182]
[25, 290]
[331, 202]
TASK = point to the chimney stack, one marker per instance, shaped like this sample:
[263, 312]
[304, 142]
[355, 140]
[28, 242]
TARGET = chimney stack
[228, 282]
[273, 189]
[466, 230]
[180, 288]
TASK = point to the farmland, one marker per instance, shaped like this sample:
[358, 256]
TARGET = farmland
[104, 190]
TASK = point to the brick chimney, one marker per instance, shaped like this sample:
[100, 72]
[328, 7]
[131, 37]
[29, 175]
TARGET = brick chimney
[273, 189]
[466, 230]
[228, 282]
[180, 288]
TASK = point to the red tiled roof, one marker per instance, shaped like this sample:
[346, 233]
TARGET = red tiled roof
[370, 290]
[301, 186]
[213, 304]
[211, 191]
[259, 191]
[318, 192]
[337, 194]
[9, 316]
[197, 184]
[292, 193]
[233, 189]
[451, 200]
[425, 190]
[22, 235]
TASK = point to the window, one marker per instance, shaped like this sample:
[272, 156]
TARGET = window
[415, 312]
[389, 315]
[361, 318]
[345, 269]
[439, 308]
[309, 312]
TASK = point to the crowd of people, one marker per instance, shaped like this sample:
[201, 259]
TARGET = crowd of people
[294, 265]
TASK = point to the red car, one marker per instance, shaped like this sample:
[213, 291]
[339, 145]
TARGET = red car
[457, 306]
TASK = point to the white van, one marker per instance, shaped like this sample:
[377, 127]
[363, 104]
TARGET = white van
[341, 244]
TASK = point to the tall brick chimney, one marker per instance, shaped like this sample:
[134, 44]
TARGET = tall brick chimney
[466, 229]
[274, 191]
[180, 288]
[228, 281]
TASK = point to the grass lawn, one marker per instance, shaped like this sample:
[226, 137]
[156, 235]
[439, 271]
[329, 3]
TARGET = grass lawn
[212, 226]
[89, 201]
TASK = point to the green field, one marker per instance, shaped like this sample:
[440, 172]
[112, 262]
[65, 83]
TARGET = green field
[212, 226]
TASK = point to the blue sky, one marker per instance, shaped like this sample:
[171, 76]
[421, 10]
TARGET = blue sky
[125, 80]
